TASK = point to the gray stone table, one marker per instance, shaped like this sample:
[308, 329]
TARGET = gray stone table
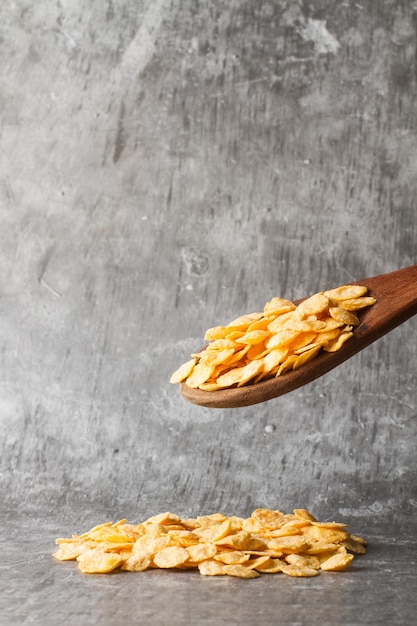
[165, 166]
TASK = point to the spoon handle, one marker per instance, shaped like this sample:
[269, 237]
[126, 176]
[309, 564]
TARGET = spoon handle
[396, 295]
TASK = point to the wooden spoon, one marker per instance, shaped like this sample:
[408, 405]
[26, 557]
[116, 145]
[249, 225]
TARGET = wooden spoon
[396, 295]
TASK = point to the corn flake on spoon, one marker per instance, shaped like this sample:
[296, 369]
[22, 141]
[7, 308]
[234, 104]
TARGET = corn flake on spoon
[396, 302]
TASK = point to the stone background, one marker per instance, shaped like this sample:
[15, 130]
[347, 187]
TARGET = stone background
[164, 167]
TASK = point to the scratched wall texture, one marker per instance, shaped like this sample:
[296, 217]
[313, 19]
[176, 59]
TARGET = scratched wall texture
[167, 166]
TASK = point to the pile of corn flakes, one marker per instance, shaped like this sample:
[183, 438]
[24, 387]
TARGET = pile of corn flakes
[258, 346]
[268, 542]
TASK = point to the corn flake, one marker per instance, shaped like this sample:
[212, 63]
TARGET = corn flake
[267, 542]
[299, 571]
[96, 561]
[172, 556]
[285, 336]
[337, 563]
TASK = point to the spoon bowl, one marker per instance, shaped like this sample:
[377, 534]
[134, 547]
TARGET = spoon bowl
[396, 295]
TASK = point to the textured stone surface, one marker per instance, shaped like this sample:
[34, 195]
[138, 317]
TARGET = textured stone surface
[166, 166]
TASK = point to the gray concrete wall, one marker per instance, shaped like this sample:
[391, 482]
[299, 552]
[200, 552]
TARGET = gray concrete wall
[165, 167]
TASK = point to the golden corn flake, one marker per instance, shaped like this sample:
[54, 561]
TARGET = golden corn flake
[262, 345]
[240, 571]
[242, 540]
[281, 338]
[200, 374]
[357, 303]
[345, 292]
[232, 557]
[165, 519]
[271, 566]
[359, 539]
[337, 563]
[263, 520]
[201, 552]
[216, 357]
[324, 534]
[257, 562]
[303, 561]
[239, 375]
[315, 305]
[211, 568]
[137, 563]
[68, 551]
[322, 550]
[213, 532]
[172, 556]
[306, 356]
[183, 372]
[278, 306]
[97, 561]
[335, 344]
[341, 315]
[299, 571]
[288, 544]
[267, 542]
